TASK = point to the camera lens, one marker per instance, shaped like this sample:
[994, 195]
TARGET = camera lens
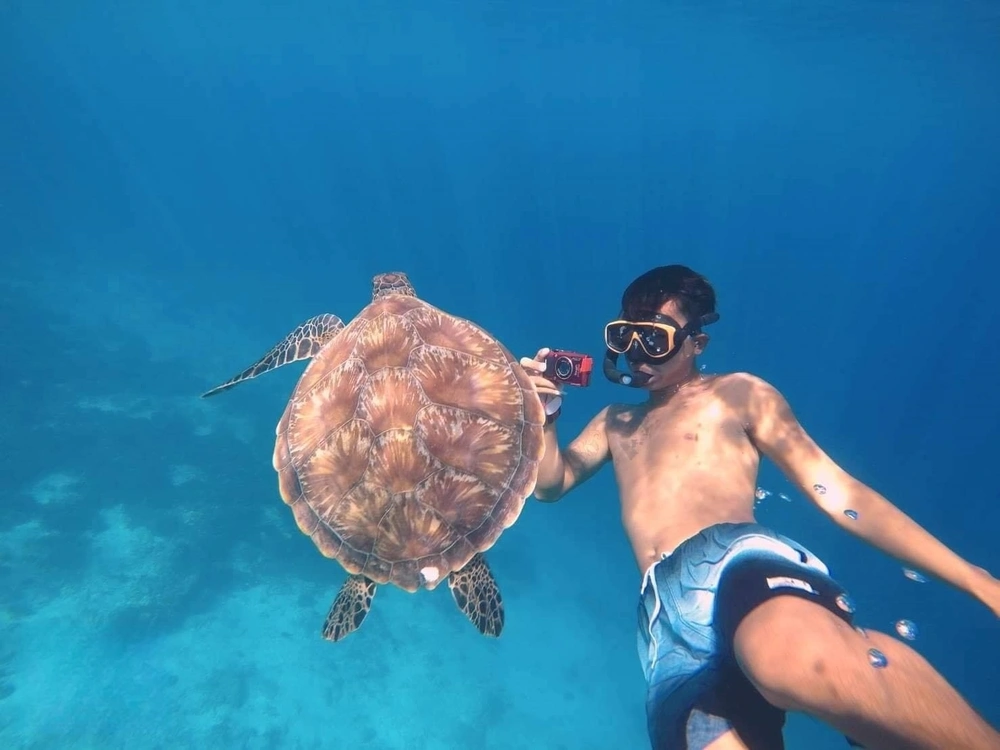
[564, 368]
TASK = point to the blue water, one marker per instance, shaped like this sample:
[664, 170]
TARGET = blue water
[182, 183]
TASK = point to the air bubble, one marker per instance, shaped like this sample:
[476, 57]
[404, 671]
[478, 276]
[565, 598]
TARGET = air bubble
[819, 489]
[845, 603]
[861, 631]
[784, 497]
[852, 514]
[907, 629]
[761, 493]
[914, 575]
[877, 659]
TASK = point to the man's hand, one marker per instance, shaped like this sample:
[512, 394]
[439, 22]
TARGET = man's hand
[547, 390]
[560, 471]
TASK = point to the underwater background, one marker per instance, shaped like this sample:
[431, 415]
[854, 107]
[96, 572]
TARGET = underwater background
[182, 183]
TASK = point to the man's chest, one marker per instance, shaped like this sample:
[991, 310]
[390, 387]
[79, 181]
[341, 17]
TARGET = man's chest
[693, 427]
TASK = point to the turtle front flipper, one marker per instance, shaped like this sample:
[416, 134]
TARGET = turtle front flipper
[302, 343]
[349, 608]
[476, 593]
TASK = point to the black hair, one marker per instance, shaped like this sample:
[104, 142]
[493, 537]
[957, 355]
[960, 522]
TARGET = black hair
[690, 290]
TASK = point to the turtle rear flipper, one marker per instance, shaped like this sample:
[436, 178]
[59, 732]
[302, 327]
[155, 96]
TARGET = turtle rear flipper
[302, 343]
[349, 608]
[476, 593]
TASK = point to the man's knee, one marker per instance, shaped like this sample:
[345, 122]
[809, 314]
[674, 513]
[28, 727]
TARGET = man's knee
[793, 652]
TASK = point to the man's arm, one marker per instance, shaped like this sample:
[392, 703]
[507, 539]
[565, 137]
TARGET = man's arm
[560, 471]
[778, 435]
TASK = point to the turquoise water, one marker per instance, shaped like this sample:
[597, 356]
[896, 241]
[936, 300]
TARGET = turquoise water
[181, 185]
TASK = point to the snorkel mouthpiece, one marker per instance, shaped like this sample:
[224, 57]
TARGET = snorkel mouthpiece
[612, 373]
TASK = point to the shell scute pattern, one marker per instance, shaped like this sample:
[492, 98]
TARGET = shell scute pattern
[330, 357]
[328, 544]
[438, 329]
[391, 399]
[305, 517]
[401, 462]
[412, 530]
[396, 305]
[403, 446]
[470, 442]
[484, 536]
[328, 405]
[387, 341]
[457, 379]
[336, 467]
[288, 479]
[377, 569]
[461, 500]
[353, 559]
[356, 518]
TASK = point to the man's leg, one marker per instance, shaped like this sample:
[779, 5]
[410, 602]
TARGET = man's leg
[801, 657]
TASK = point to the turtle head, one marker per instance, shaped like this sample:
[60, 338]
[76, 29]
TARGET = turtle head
[391, 283]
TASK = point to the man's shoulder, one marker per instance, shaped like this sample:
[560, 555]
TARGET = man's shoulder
[742, 379]
[746, 387]
[606, 412]
[614, 409]
[615, 412]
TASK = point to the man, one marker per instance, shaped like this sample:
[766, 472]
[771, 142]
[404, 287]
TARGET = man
[739, 624]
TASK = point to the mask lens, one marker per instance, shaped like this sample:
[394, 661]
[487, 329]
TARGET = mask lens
[618, 336]
[654, 340]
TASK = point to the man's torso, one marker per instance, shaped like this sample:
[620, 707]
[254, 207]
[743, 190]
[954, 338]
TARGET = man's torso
[683, 465]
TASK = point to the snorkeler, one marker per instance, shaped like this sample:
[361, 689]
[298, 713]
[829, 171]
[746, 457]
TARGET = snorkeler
[737, 623]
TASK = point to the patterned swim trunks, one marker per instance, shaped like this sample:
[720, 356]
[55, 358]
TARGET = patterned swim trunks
[691, 603]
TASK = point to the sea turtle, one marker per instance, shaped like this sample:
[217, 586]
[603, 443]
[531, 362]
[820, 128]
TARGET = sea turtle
[410, 442]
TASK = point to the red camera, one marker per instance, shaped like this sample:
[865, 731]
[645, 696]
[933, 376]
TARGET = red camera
[571, 368]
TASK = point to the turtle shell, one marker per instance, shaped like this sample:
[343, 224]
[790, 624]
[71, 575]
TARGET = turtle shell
[409, 444]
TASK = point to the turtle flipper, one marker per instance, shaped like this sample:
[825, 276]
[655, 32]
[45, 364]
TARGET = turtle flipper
[476, 593]
[302, 343]
[349, 608]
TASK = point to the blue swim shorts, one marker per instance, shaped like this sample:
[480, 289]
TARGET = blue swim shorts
[691, 603]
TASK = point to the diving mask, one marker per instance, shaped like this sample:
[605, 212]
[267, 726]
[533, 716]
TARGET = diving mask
[651, 341]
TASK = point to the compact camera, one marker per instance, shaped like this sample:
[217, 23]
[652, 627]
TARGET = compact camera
[571, 368]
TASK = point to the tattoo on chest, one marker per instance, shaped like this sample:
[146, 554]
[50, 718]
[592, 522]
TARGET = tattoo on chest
[630, 447]
[632, 438]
